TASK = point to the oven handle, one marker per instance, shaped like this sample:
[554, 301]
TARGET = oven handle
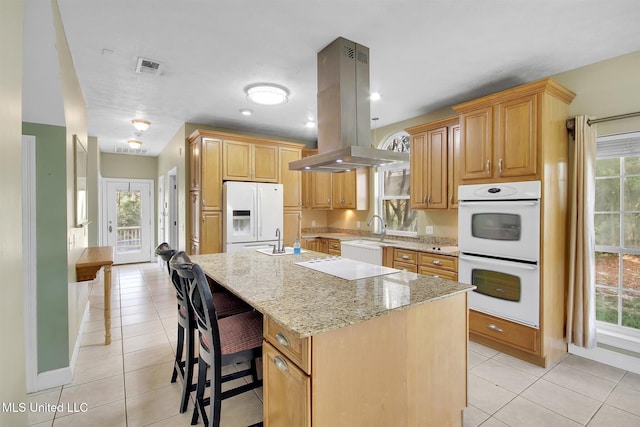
[496, 262]
[492, 204]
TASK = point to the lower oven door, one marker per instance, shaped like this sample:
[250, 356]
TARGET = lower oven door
[506, 289]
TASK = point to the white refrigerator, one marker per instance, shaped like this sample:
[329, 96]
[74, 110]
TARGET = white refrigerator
[253, 213]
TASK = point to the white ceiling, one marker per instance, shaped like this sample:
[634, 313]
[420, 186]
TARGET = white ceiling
[424, 55]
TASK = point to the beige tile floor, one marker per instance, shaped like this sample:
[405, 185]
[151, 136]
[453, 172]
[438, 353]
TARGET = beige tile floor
[127, 382]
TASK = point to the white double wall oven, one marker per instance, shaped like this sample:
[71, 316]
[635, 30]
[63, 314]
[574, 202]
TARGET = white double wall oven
[499, 241]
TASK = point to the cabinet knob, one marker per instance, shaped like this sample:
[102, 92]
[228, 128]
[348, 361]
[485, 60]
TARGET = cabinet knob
[282, 339]
[328, 201]
[280, 363]
[428, 199]
[424, 200]
[436, 262]
[405, 257]
[500, 166]
[488, 168]
[451, 199]
[436, 276]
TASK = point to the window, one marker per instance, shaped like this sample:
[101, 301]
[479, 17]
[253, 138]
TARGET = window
[393, 190]
[617, 229]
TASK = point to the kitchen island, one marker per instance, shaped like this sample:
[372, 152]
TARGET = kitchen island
[380, 351]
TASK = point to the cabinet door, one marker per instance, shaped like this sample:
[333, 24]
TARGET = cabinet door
[194, 164]
[292, 227]
[436, 168]
[194, 217]
[264, 163]
[211, 174]
[516, 138]
[453, 161]
[236, 161]
[211, 232]
[287, 391]
[418, 191]
[313, 245]
[340, 187]
[291, 180]
[476, 144]
[321, 190]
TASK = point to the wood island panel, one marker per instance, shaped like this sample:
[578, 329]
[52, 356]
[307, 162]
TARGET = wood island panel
[89, 263]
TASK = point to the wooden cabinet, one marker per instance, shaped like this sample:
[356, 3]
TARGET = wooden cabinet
[432, 157]
[205, 179]
[291, 223]
[350, 190]
[426, 263]
[214, 156]
[436, 265]
[312, 244]
[327, 380]
[502, 134]
[519, 135]
[340, 190]
[248, 161]
[453, 165]
[291, 180]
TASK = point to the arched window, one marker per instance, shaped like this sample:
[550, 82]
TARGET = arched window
[393, 190]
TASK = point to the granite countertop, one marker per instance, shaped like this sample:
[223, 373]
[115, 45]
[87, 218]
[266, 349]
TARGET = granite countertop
[308, 302]
[401, 244]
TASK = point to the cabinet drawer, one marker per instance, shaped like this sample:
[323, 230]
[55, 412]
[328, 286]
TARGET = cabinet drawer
[440, 262]
[333, 247]
[513, 334]
[443, 274]
[405, 266]
[405, 256]
[298, 350]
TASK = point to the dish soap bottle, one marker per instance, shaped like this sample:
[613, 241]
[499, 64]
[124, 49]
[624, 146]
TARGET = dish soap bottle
[296, 246]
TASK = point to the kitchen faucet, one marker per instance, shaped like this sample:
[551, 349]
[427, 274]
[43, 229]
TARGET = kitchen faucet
[277, 249]
[384, 226]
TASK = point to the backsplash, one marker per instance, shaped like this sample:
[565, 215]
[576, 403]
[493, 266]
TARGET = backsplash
[427, 239]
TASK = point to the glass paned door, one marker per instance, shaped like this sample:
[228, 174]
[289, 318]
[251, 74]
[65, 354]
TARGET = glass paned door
[128, 221]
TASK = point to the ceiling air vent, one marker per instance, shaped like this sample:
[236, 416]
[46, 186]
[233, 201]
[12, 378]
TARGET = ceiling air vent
[128, 150]
[147, 66]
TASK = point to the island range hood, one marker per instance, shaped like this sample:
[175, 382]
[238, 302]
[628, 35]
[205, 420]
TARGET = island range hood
[344, 131]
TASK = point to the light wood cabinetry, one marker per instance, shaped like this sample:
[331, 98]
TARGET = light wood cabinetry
[426, 263]
[340, 190]
[205, 178]
[214, 156]
[518, 135]
[312, 244]
[433, 164]
[350, 190]
[326, 379]
[453, 165]
[502, 134]
[249, 161]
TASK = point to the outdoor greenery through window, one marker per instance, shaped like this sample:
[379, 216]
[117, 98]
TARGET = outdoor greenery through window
[617, 229]
[393, 191]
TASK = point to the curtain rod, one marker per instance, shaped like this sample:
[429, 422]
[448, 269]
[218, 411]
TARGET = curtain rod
[571, 123]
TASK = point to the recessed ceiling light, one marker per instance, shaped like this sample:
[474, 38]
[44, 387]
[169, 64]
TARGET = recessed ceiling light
[339, 161]
[375, 96]
[134, 143]
[310, 124]
[246, 112]
[267, 94]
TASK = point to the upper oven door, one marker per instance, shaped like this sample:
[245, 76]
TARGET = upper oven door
[507, 229]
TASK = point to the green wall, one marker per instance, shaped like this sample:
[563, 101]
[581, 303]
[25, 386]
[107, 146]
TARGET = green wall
[51, 238]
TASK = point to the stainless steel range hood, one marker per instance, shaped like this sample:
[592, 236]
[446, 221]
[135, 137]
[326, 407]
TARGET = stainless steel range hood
[344, 130]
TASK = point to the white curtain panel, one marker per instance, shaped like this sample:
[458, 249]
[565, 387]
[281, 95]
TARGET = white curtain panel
[581, 314]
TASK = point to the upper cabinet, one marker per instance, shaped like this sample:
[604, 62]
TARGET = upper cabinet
[248, 161]
[501, 135]
[339, 190]
[433, 169]
[211, 172]
[291, 180]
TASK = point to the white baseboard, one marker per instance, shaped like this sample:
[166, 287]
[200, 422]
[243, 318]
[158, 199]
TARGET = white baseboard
[76, 348]
[609, 357]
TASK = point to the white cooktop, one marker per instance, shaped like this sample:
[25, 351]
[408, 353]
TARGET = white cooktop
[347, 268]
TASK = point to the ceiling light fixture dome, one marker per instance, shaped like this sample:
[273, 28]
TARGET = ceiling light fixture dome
[267, 94]
[140, 124]
[134, 143]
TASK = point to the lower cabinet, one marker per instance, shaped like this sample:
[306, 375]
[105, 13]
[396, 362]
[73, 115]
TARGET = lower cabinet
[514, 335]
[426, 263]
[291, 222]
[312, 244]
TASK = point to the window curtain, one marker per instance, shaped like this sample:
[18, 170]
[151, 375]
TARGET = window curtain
[581, 311]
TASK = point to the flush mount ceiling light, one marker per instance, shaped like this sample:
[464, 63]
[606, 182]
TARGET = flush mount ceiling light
[267, 94]
[375, 96]
[134, 143]
[310, 124]
[141, 125]
[246, 112]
